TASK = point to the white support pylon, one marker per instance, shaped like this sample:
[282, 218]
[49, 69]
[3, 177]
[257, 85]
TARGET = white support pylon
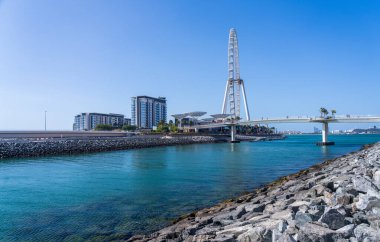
[234, 84]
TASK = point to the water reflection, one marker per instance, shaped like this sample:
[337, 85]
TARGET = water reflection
[325, 150]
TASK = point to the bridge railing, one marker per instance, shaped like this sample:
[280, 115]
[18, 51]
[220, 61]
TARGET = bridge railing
[310, 117]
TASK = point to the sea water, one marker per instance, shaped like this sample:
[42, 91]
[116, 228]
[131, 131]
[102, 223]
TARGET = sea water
[121, 193]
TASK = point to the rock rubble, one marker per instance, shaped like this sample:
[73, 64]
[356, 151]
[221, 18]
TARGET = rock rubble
[33, 147]
[338, 200]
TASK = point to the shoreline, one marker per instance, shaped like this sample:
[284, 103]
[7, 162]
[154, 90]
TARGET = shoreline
[32, 147]
[336, 200]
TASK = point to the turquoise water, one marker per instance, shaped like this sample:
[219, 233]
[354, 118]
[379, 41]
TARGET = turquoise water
[117, 194]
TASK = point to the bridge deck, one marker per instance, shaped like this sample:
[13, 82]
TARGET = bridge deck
[345, 119]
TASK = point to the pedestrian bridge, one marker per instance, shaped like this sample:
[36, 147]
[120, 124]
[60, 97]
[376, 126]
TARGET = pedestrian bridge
[299, 119]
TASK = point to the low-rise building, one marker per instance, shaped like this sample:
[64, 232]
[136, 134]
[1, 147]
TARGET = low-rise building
[89, 121]
[127, 121]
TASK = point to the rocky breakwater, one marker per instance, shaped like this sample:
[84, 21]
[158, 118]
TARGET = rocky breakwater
[338, 200]
[32, 147]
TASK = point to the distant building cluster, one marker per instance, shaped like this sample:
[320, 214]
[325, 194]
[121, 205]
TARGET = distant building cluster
[146, 112]
[290, 132]
[373, 130]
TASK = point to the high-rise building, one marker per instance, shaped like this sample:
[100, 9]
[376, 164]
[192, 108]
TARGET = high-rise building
[88, 121]
[148, 111]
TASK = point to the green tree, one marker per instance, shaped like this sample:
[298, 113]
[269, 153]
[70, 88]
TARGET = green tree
[129, 127]
[333, 112]
[104, 127]
[162, 127]
[173, 128]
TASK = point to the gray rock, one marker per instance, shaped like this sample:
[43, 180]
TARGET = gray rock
[314, 232]
[374, 221]
[370, 239]
[319, 189]
[363, 231]
[207, 230]
[285, 238]
[360, 217]
[282, 226]
[302, 218]
[376, 211]
[376, 178]
[255, 208]
[317, 211]
[297, 204]
[224, 238]
[259, 234]
[234, 214]
[239, 212]
[285, 214]
[235, 230]
[342, 199]
[276, 235]
[367, 202]
[333, 219]
[364, 185]
[347, 231]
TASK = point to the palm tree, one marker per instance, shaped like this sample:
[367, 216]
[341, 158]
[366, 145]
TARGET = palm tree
[333, 112]
[323, 112]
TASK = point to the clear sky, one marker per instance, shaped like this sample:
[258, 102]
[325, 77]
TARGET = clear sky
[73, 56]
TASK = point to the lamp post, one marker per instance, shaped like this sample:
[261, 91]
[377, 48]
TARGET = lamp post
[45, 120]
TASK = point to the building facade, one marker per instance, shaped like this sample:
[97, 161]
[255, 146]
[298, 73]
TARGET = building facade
[89, 121]
[148, 111]
[127, 121]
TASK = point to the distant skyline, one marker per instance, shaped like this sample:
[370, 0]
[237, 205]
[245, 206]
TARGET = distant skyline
[68, 57]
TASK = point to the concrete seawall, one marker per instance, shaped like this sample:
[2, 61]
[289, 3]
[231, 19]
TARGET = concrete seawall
[338, 200]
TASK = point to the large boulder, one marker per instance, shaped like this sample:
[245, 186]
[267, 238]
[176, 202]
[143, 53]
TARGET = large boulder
[333, 218]
[363, 184]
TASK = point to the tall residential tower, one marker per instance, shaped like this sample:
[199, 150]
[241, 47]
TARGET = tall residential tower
[148, 111]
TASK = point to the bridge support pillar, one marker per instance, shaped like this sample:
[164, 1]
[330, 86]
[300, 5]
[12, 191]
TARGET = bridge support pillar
[325, 134]
[233, 134]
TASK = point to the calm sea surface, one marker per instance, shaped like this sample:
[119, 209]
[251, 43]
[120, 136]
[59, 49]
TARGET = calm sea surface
[105, 195]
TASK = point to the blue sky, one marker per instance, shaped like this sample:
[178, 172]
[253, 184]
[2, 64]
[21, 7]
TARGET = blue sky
[72, 56]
